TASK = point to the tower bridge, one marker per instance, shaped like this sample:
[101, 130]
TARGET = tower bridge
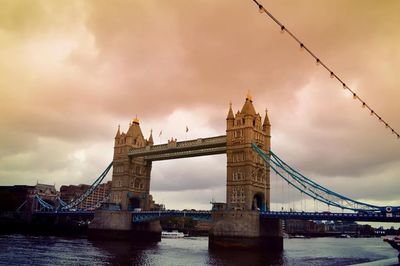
[244, 220]
[247, 179]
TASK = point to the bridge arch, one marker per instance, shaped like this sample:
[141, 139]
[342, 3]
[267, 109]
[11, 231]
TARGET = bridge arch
[134, 203]
[258, 203]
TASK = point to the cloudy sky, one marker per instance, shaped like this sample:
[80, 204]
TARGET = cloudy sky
[71, 71]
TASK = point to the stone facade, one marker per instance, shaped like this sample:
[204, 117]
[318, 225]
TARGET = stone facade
[237, 224]
[117, 225]
[248, 180]
[131, 176]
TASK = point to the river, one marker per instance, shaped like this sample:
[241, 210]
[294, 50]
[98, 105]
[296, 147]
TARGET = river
[16, 249]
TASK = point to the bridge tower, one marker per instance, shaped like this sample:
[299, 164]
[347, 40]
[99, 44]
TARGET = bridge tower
[131, 176]
[248, 178]
[237, 224]
[129, 190]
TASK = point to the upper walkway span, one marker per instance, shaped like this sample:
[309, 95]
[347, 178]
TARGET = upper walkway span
[181, 149]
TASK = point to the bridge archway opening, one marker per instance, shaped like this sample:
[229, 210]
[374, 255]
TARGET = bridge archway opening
[258, 202]
[134, 203]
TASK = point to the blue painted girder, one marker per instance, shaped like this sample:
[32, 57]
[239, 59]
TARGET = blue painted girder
[142, 216]
[331, 216]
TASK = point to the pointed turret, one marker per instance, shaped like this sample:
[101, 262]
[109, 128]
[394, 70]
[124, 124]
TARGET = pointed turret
[230, 119]
[230, 113]
[266, 123]
[150, 141]
[118, 135]
[248, 108]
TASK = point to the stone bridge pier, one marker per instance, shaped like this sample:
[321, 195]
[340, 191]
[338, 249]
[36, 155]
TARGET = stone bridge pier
[245, 230]
[117, 225]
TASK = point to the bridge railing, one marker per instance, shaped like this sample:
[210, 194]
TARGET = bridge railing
[142, 216]
[371, 217]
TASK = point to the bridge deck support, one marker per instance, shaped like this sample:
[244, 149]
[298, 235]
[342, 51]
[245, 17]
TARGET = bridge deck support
[117, 225]
[245, 230]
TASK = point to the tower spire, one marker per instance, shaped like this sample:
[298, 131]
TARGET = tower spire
[118, 132]
[150, 141]
[230, 113]
[266, 120]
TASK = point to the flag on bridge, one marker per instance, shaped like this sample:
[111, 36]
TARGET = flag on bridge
[160, 133]
[187, 129]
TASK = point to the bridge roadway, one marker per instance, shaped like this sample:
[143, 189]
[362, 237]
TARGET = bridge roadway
[333, 216]
[142, 216]
[182, 149]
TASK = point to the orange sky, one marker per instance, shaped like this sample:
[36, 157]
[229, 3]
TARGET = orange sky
[71, 71]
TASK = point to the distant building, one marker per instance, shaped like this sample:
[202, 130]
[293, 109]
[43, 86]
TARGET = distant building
[12, 197]
[46, 192]
[303, 226]
[204, 226]
[21, 197]
[73, 192]
[100, 194]
[348, 227]
[366, 230]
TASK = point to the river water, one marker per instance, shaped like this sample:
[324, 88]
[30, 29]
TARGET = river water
[18, 249]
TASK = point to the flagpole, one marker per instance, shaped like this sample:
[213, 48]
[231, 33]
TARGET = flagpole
[159, 136]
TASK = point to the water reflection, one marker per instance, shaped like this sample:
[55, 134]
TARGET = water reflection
[44, 250]
[126, 253]
[189, 251]
[243, 257]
